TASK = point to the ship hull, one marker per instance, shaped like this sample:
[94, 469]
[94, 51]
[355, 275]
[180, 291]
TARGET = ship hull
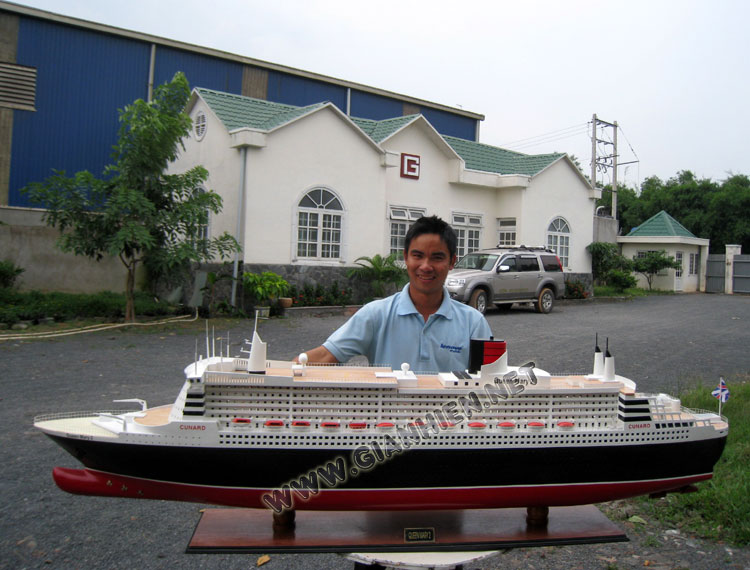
[418, 478]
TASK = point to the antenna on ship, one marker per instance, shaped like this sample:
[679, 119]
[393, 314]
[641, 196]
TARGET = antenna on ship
[195, 360]
[208, 348]
[598, 358]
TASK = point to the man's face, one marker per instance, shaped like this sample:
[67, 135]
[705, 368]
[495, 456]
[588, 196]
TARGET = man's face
[428, 262]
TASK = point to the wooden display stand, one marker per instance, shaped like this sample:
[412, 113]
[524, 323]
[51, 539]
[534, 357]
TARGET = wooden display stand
[252, 531]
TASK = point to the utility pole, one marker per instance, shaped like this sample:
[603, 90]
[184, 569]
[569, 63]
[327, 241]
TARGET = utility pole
[606, 161]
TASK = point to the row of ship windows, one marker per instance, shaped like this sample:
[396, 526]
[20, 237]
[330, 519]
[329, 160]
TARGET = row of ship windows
[683, 434]
[538, 439]
[405, 411]
[580, 420]
[405, 398]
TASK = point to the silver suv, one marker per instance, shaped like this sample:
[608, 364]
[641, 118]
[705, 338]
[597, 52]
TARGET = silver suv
[504, 276]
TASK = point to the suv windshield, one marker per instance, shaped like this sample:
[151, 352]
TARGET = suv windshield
[479, 261]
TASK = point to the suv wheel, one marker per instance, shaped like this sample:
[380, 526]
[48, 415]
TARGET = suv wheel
[545, 301]
[479, 300]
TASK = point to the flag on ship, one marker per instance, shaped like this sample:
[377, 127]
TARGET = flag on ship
[722, 392]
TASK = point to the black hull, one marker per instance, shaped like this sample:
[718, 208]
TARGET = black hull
[416, 468]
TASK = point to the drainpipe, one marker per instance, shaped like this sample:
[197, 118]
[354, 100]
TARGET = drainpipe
[239, 233]
[151, 67]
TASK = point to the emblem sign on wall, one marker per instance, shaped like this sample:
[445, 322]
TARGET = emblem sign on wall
[410, 166]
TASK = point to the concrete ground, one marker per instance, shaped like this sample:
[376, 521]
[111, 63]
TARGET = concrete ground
[664, 343]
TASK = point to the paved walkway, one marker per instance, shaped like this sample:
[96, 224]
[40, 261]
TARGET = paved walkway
[664, 343]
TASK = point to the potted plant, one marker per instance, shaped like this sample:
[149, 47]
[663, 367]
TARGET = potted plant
[264, 288]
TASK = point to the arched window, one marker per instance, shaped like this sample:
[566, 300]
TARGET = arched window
[558, 239]
[319, 225]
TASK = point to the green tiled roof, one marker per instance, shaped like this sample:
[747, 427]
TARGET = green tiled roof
[380, 130]
[236, 111]
[661, 224]
[486, 158]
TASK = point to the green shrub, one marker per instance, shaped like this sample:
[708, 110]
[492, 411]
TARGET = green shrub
[34, 306]
[317, 295]
[9, 272]
[620, 280]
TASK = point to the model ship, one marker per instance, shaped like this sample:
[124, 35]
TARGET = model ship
[258, 433]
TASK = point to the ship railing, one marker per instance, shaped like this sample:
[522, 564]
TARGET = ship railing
[82, 414]
[705, 417]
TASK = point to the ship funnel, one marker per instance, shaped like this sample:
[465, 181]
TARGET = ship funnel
[484, 352]
[609, 365]
[256, 363]
[598, 359]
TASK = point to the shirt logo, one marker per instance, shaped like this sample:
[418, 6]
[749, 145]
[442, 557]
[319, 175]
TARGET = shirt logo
[455, 349]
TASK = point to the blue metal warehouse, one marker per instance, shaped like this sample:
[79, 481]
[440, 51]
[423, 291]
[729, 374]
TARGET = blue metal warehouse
[62, 81]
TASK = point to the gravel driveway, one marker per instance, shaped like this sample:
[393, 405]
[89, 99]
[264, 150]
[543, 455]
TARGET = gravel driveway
[663, 343]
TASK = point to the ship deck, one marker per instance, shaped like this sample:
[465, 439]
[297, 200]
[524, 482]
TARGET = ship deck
[387, 378]
[155, 416]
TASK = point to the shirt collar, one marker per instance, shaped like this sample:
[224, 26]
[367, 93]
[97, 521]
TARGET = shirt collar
[406, 305]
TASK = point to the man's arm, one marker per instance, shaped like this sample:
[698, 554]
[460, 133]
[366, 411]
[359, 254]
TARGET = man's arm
[320, 355]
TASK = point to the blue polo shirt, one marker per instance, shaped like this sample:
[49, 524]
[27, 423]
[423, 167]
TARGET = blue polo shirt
[391, 331]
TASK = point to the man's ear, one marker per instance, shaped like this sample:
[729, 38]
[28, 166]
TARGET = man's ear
[453, 261]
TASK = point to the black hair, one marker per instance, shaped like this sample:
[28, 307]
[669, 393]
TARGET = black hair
[432, 225]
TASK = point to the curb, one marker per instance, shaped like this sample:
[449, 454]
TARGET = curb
[325, 311]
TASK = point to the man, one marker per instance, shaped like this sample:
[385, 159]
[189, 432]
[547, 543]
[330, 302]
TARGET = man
[420, 325]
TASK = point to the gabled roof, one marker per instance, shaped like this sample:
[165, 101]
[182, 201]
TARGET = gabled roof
[663, 225]
[486, 158]
[381, 130]
[236, 111]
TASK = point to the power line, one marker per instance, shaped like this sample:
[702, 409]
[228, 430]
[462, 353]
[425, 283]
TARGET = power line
[551, 136]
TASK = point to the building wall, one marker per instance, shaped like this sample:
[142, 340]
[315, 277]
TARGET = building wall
[318, 150]
[559, 192]
[223, 163]
[666, 282]
[30, 244]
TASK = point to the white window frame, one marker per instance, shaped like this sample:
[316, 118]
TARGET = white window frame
[322, 224]
[507, 232]
[200, 125]
[558, 239]
[468, 228]
[693, 264]
[400, 219]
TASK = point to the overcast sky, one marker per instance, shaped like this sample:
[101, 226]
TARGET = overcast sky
[674, 74]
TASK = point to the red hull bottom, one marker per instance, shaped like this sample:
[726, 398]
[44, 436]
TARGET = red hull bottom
[90, 482]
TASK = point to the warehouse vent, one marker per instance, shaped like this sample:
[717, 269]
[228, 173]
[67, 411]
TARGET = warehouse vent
[17, 86]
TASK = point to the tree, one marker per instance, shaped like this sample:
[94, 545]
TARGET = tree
[604, 258]
[652, 262]
[379, 271]
[136, 210]
[713, 210]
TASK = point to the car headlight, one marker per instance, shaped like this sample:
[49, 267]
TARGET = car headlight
[455, 282]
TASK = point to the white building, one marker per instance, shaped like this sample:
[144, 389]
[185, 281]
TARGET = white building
[309, 187]
[661, 232]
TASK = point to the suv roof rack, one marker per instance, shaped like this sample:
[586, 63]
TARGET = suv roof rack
[526, 247]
